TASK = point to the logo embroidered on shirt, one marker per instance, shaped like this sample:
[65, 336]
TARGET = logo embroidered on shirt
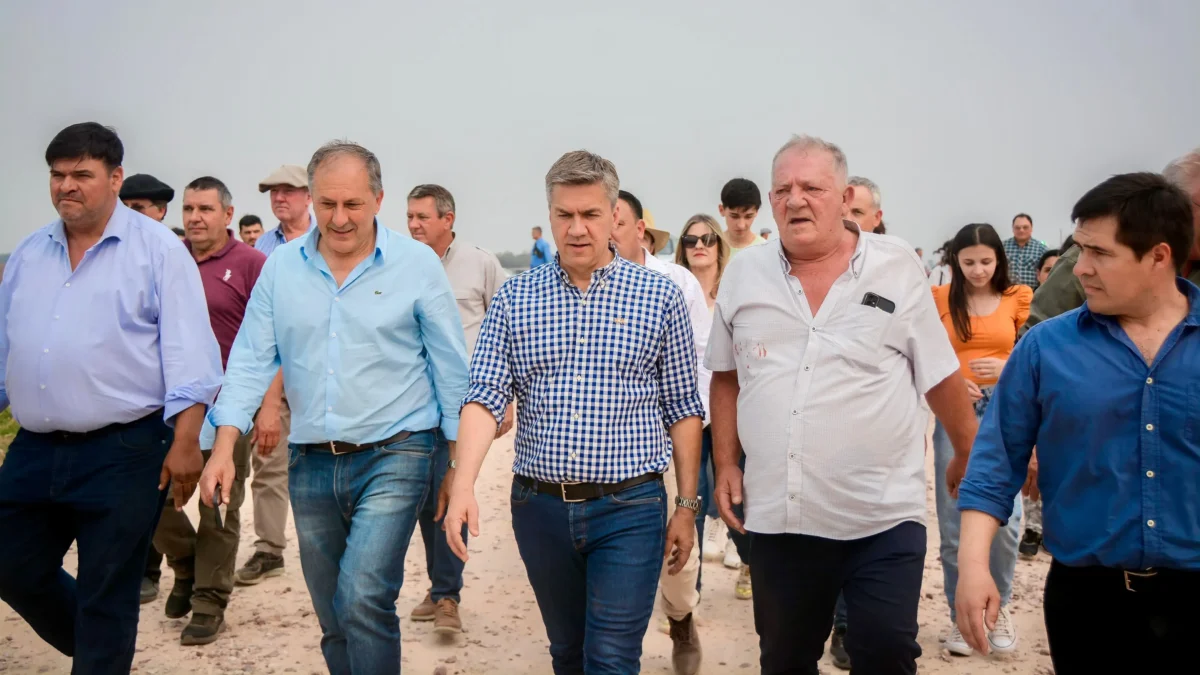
[619, 321]
[228, 273]
[378, 292]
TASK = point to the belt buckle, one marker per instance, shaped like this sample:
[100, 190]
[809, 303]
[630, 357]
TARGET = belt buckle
[333, 448]
[563, 488]
[1140, 575]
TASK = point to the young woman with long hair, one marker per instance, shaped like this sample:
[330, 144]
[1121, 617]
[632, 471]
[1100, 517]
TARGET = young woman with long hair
[982, 311]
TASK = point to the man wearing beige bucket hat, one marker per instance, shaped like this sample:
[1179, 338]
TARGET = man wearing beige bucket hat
[288, 186]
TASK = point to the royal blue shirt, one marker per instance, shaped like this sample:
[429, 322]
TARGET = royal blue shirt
[540, 254]
[1118, 441]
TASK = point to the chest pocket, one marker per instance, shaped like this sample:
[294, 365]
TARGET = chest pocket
[858, 333]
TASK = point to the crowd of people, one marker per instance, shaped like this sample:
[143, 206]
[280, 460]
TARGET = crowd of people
[766, 397]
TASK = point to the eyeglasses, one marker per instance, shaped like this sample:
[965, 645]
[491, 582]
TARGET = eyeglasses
[690, 240]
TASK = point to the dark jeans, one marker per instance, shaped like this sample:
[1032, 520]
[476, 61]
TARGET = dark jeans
[101, 492]
[594, 568]
[355, 515]
[797, 579]
[1148, 629]
[153, 564]
[444, 568]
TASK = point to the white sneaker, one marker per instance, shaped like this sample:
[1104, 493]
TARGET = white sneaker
[732, 560]
[1003, 638]
[716, 536]
[955, 644]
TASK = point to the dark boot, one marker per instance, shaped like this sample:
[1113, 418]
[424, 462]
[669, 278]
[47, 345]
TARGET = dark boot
[202, 629]
[685, 651]
[179, 602]
[149, 591]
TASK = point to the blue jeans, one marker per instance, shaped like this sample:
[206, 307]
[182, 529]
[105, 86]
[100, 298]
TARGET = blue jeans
[444, 568]
[101, 492]
[355, 515]
[594, 568]
[1004, 546]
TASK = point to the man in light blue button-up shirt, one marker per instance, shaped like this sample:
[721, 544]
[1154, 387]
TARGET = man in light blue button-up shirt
[364, 324]
[108, 361]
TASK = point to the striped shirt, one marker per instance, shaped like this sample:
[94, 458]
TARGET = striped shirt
[598, 375]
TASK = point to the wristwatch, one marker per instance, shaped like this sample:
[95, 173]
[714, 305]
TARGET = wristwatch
[693, 504]
[452, 464]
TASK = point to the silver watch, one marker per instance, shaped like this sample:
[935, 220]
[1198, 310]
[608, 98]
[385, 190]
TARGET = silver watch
[452, 464]
[693, 504]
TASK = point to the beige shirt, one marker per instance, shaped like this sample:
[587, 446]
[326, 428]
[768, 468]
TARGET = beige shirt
[475, 275]
[829, 414]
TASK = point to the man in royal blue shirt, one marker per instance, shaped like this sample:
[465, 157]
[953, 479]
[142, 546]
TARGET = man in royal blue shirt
[1107, 393]
[541, 250]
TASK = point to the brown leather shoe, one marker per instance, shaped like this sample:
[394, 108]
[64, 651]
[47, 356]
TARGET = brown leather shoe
[424, 611]
[685, 652]
[446, 620]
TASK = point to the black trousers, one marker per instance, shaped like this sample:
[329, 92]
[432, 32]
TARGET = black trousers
[1097, 625]
[797, 579]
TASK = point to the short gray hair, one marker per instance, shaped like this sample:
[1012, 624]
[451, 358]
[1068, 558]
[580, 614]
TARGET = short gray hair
[581, 167]
[806, 142]
[343, 147]
[442, 199]
[1184, 172]
[859, 181]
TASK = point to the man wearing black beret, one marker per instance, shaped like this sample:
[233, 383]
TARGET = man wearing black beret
[147, 195]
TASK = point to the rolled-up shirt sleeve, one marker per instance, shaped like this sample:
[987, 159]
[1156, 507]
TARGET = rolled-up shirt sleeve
[491, 378]
[191, 358]
[1000, 456]
[445, 346]
[678, 394]
[253, 360]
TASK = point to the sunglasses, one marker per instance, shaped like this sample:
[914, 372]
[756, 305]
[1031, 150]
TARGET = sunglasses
[690, 240]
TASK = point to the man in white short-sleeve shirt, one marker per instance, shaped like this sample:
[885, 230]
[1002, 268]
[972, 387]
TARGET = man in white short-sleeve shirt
[823, 342]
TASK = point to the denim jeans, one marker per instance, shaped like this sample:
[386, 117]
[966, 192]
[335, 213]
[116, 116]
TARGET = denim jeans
[1004, 546]
[594, 568]
[101, 492]
[355, 514]
[444, 568]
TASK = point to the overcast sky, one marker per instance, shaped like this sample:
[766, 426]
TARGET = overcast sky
[961, 111]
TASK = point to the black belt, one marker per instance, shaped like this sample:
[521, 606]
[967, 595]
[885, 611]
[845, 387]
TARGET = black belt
[345, 448]
[582, 492]
[80, 436]
[1132, 580]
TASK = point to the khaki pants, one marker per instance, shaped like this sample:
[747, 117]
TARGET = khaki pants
[208, 555]
[679, 594]
[269, 491]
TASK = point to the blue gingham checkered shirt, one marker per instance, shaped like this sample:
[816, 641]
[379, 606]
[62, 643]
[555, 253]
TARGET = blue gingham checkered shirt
[1023, 260]
[599, 375]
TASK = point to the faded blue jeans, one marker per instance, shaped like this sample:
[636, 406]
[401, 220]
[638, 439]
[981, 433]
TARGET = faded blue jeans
[444, 568]
[594, 568]
[1004, 546]
[355, 514]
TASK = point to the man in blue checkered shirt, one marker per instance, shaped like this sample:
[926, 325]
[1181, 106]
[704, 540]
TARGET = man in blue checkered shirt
[1023, 252]
[599, 354]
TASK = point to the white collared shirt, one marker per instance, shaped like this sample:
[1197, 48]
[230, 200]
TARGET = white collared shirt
[698, 311]
[829, 413]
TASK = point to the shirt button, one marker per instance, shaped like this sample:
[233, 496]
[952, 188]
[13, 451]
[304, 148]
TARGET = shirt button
[43, 386]
[795, 412]
[814, 329]
[333, 335]
[1149, 474]
[574, 455]
[45, 351]
[575, 416]
[68, 284]
[579, 378]
[337, 299]
[56, 317]
[807, 368]
[582, 341]
[331, 371]
[1149, 380]
[792, 455]
[45, 419]
[1149, 523]
[1149, 427]
[329, 409]
[792, 497]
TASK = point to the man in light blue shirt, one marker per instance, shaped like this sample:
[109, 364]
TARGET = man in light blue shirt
[364, 324]
[541, 250]
[105, 345]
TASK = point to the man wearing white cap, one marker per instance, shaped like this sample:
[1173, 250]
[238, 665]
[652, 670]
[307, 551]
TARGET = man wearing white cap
[290, 200]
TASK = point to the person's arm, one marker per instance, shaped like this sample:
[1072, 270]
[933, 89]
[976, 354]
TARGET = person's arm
[445, 346]
[1061, 292]
[995, 475]
[493, 278]
[952, 406]
[722, 408]
[6, 291]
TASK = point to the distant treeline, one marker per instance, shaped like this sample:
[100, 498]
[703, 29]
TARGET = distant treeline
[514, 260]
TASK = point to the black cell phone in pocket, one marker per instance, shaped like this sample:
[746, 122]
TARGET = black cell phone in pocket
[878, 302]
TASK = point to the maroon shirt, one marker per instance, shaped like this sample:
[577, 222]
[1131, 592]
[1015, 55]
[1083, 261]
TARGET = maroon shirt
[228, 277]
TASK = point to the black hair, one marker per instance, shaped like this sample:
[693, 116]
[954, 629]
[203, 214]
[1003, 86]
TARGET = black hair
[248, 220]
[1150, 210]
[178, 231]
[943, 253]
[87, 139]
[1050, 253]
[974, 234]
[741, 193]
[633, 202]
[1067, 243]
[880, 228]
[1026, 216]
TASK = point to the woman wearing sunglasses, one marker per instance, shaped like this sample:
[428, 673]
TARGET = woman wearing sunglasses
[704, 251]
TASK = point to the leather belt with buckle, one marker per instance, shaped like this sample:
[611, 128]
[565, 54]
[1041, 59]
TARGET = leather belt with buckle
[1130, 577]
[345, 448]
[582, 492]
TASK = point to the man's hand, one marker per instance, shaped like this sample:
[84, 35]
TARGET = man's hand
[987, 368]
[955, 470]
[181, 469]
[462, 508]
[443, 495]
[268, 426]
[973, 391]
[727, 492]
[978, 605]
[1030, 489]
[218, 471]
[510, 416]
[681, 537]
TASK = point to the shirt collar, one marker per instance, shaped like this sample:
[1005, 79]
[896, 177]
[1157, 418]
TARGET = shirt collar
[857, 259]
[653, 262]
[450, 247]
[116, 228]
[597, 275]
[1186, 287]
[310, 253]
[219, 254]
[278, 229]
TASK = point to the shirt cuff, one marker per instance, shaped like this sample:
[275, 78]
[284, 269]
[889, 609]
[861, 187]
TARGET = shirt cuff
[690, 406]
[221, 416]
[718, 364]
[449, 426]
[971, 498]
[185, 396]
[494, 401]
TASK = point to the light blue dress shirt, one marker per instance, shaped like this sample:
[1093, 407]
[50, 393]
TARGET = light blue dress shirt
[384, 353]
[273, 238]
[124, 334]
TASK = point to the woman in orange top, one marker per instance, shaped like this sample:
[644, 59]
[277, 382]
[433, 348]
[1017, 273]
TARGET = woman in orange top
[982, 311]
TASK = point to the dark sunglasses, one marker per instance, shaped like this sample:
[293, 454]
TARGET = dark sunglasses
[690, 240]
